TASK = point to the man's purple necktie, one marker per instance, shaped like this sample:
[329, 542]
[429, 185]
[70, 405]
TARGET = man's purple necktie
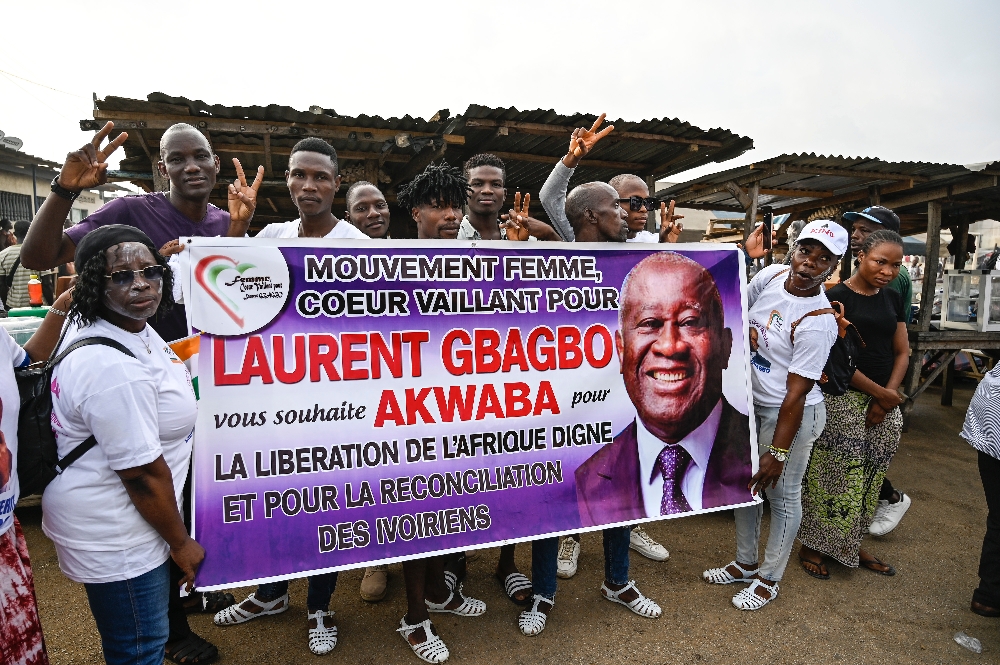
[673, 461]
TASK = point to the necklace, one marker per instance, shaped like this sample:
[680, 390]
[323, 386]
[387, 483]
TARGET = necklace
[144, 343]
[847, 283]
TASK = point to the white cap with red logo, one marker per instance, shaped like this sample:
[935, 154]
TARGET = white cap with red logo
[830, 233]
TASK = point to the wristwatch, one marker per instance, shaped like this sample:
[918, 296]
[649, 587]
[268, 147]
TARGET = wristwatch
[59, 190]
[779, 455]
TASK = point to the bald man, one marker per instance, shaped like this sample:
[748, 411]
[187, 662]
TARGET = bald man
[595, 215]
[688, 449]
[187, 160]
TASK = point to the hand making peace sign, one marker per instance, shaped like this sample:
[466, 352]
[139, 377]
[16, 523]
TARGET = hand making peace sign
[88, 167]
[516, 223]
[583, 141]
[670, 228]
[243, 197]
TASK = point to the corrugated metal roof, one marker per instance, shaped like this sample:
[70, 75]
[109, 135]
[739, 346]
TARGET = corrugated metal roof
[803, 183]
[394, 149]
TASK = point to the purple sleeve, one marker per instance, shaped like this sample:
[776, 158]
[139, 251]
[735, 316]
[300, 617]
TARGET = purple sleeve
[113, 212]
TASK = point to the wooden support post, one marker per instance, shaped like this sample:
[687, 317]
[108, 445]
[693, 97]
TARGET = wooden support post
[874, 195]
[651, 215]
[847, 263]
[268, 167]
[962, 235]
[751, 218]
[930, 270]
[948, 384]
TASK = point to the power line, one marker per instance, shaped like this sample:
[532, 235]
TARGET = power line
[4, 74]
[42, 85]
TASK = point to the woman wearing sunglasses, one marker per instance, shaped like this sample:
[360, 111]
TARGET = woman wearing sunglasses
[113, 514]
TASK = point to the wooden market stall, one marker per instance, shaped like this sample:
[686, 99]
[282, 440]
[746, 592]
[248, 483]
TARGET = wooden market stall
[927, 197]
[390, 151]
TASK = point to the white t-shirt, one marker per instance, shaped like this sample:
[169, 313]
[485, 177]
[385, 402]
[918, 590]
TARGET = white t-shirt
[11, 356]
[342, 229]
[645, 236]
[139, 409]
[773, 310]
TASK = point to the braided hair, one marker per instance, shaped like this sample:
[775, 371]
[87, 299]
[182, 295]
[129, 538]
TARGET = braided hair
[438, 183]
[880, 237]
[88, 294]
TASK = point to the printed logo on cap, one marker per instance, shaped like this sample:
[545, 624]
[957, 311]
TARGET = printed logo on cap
[246, 289]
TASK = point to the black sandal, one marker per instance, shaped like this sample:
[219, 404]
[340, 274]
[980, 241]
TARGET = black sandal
[192, 650]
[211, 602]
[819, 567]
[875, 561]
[513, 584]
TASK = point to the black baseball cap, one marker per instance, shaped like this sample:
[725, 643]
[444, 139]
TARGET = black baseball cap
[877, 214]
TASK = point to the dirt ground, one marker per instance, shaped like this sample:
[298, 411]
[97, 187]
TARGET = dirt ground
[856, 617]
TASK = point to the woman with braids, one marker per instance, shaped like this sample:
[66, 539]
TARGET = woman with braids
[434, 199]
[113, 514]
[849, 461]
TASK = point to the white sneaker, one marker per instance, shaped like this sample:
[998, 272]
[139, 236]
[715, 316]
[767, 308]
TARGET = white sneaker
[888, 515]
[569, 555]
[644, 544]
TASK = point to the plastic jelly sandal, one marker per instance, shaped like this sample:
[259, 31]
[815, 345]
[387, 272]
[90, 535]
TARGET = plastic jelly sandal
[723, 576]
[322, 638]
[470, 607]
[432, 649]
[531, 622]
[642, 606]
[748, 599]
[234, 614]
[514, 584]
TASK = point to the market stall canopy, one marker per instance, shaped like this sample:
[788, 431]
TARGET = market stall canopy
[390, 151]
[808, 186]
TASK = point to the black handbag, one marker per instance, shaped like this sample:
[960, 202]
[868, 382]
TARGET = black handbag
[37, 454]
[843, 359]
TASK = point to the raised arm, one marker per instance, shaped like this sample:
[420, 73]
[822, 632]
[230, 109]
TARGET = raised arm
[46, 246]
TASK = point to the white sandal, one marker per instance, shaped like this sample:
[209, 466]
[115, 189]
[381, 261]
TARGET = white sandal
[322, 638]
[432, 649]
[747, 599]
[234, 614]
[470, 607]
[450, 580]
[723, 576]
[642, 606]
[531, 622]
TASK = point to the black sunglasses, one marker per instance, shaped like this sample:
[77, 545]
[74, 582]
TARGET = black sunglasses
[636, 203]
[123, 277]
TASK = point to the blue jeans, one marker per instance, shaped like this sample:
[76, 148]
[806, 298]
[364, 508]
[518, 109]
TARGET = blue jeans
[131, 617]
[616, 541]
[544, 553]
[786, 498]
[321, 587]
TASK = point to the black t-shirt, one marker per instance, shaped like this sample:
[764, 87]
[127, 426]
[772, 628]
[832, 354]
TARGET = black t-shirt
[875, 317]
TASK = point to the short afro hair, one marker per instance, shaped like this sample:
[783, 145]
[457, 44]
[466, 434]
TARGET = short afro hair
[179, 128]
[356, 186]
[314, 144]
[584, 197]
[438, 183]
[485, 159]
[621, 179]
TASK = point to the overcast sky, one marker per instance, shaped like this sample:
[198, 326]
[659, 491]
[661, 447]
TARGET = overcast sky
[903, 81]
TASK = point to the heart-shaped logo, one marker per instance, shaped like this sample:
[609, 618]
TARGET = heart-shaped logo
[207, 272]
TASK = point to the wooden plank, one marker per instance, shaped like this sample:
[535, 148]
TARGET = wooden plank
[930, 379]
[666, 168]
[417, 164]
[796, 193]
[704, 206]
[739, 195]
[595, 163]
[231, 148]
[963, 187]
[755, 175]
[851, 173]
[543, 129]
[268, 168]
[751, 217]
[127, 120]
[930, 270]
[963, 241]
[860, 194]
[948, 383]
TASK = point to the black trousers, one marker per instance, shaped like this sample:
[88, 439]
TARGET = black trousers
[988, 592]
[176, 615]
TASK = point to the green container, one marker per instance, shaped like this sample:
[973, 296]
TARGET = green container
[29, 311]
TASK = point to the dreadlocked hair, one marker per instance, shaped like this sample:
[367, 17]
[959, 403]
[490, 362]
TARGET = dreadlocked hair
[88, 295]
[438, 183]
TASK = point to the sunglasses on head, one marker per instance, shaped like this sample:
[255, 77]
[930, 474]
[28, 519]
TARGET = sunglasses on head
[636, 203]
[123, 277]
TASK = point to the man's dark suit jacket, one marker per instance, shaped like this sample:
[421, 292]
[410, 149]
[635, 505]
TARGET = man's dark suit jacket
[608, 485]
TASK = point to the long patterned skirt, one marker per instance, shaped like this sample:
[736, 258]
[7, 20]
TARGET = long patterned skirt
[21, 640]
[841, 487]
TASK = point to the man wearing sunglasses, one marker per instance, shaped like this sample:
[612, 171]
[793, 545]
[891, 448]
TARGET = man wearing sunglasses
[633, 193]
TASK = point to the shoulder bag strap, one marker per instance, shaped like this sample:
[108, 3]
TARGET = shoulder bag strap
[815, 312]
[91, 440]
[13, 269]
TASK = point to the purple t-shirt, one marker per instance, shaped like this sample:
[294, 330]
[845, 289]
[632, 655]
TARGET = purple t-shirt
[154, 215]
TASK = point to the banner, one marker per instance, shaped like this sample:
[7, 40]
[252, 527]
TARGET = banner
[368, 402]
